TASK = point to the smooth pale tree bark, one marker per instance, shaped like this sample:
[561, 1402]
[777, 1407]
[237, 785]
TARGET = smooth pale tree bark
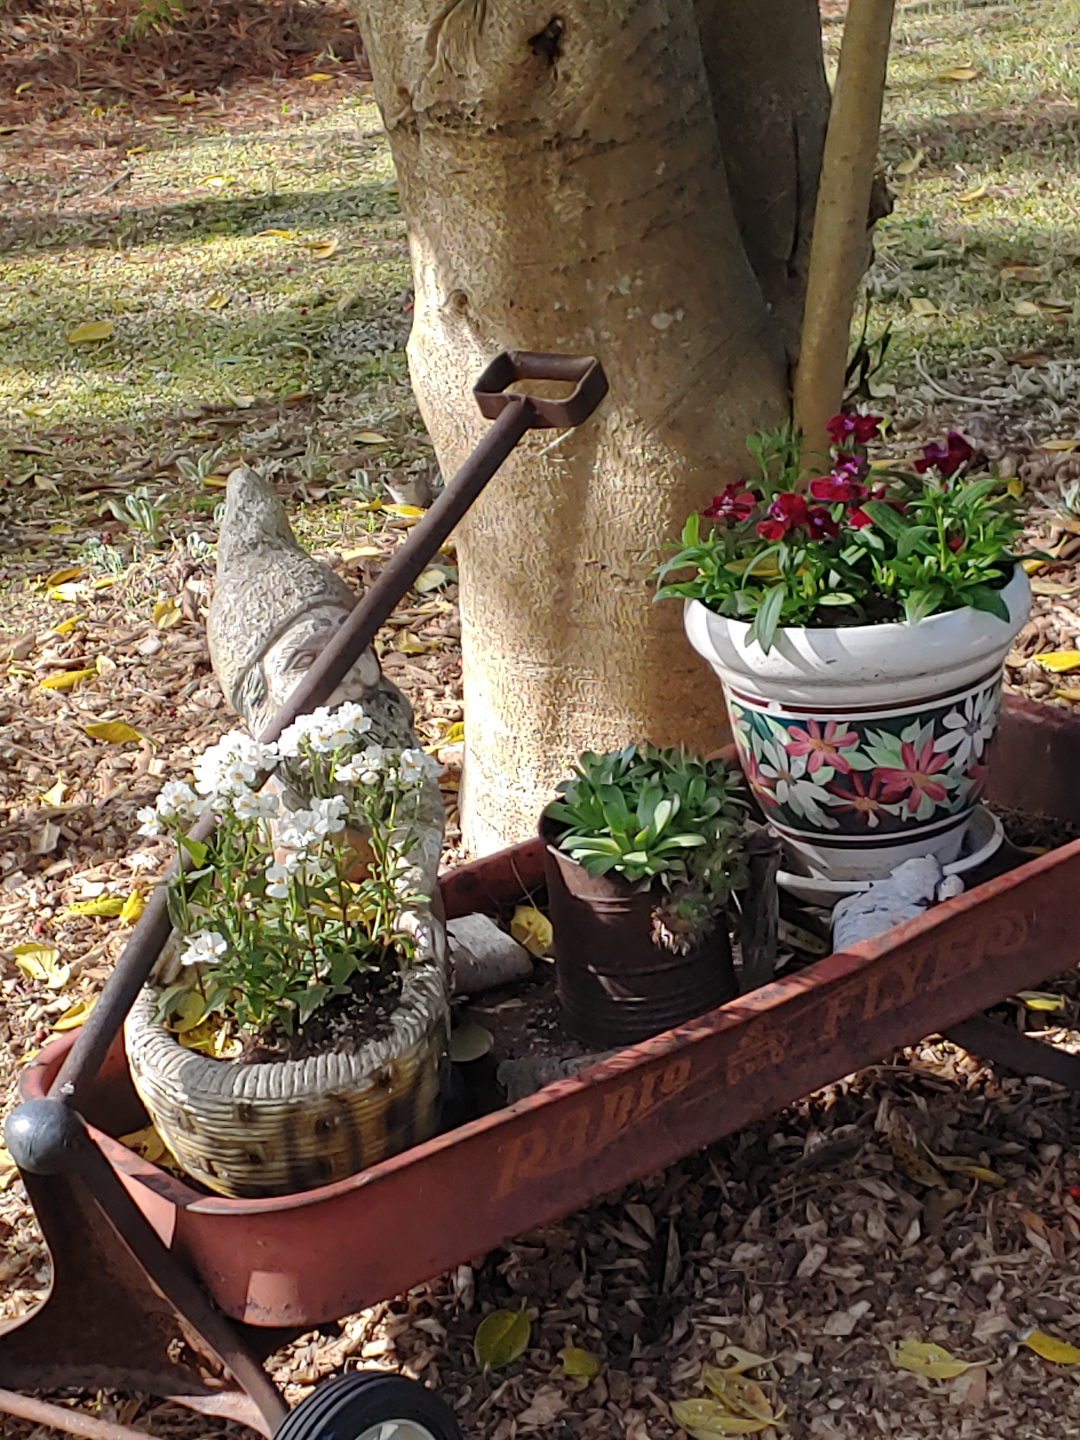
[563, 181]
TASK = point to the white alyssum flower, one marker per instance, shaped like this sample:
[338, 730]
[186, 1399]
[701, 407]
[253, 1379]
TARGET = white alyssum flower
[325, 731]
[246, 805]
[415, 767]
[151, 821]
[232, 765]
[279, 874]
[204, 947]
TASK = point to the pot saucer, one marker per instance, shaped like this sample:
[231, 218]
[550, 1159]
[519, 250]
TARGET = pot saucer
[984, 836]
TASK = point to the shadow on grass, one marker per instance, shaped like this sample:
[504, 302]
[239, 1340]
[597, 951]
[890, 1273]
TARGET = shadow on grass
[136, 222]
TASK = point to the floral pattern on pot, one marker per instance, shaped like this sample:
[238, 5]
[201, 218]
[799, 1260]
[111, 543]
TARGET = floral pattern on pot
[885, 773]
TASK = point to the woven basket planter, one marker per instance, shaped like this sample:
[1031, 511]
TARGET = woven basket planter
[277, 1128]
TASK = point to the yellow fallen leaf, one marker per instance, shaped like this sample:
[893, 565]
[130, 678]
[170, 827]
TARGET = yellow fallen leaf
[211, 1037]
[215, 180]
[960, 1165]
[432, 579]
[921, 306]
[167, 613]
[281, 234]
[409, 644]
[371, 437]
[324, 251]
[116, 732]
[1060, 445]
[104, 582]
[72, 572]
[55, 793]
[455, 734]
[188, 1013]
[408, 512]
[1029, 567]
[1058, 1352]
[708, 1419]
[133, 908]
[740, 1395]
[320, 76]
[911, 164]
[146, 1143]
[1055, 303]
[66, 679]
[1068, 694]
[969, 196]
[922, 1358]
[65, 627]
[216, 482]
[92, 330]
[532, 929]
[64, 593]
[580, 1364]
[1040, 1000]
[961, 72]
[107, 905]
[188, 98]
[1060, 662]
[76, 1016]
[8, 1169]
[501, 1337]
[218, 300]
[913, 1165]
[61, 528]
[41, 963]
[1025, 307]
[1021, 272]
[1051, 587]
[361, 552]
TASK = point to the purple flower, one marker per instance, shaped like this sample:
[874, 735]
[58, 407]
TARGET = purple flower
[860, 428]
[787, 511]
[731, 504]
[947, 458]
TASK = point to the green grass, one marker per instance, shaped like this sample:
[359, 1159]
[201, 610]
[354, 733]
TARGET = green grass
[995, 184]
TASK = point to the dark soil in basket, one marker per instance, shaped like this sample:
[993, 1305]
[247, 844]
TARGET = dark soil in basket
[342, 1024]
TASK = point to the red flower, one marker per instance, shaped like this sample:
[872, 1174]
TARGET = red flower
[841, 485]
[863, 799]
[787, 511]
[915, 776]
[947, 458]
[823, 747]
[860, 428]
[956, 543]
[820, 523]
[858, 519]
[731, 504]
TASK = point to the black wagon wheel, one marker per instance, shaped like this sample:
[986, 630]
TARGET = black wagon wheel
[370, 1405]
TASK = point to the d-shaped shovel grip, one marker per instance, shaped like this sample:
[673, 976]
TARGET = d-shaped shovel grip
[584, 372]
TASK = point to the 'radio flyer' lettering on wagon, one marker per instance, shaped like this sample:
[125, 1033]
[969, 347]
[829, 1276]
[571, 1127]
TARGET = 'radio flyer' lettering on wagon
[602, 1117]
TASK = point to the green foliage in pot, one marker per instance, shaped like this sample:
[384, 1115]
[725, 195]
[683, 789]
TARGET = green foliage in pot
[853, 547]
[662, 819]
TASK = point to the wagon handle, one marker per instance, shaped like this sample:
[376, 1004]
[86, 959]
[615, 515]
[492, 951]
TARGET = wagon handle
[514, 414]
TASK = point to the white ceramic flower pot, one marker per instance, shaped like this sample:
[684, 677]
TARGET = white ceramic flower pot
[865, 745]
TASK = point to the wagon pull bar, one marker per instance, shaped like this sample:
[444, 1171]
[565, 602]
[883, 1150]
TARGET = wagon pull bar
[514, 414]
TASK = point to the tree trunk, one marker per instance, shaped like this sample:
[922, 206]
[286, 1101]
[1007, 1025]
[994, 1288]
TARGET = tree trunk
[564, 188]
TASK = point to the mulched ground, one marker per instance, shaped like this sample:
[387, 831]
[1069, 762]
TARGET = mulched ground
[812, 1240]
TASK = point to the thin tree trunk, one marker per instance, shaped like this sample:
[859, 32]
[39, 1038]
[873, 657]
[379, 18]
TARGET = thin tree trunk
[564, 189]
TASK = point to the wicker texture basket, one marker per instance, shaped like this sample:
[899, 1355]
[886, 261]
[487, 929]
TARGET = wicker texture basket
[277, 1128]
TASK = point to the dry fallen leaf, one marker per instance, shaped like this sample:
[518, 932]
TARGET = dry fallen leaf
[735, 1358]
[921, 306]
[1021, 272]
[740, 1395]
[501, 1338]
[709, 1419]
[41, 963]
[324, 251]
[8, 1169]
[168, 613]
[371, 437]
[92, 330]
[470, 1041]
[66, 627]
[961, 72]
[71, 572]
[116, 732]
[1058, 1352]
[922, 1358]
[532, 929]
[1041, 999]
[913, 1165]
[133, 908]
[108, 905]
[1051, 587]
[969, 196]
[911, 164]
[1025, 307]
[66, 593]
[579, 1364]
[66, 679]
[76, 1016]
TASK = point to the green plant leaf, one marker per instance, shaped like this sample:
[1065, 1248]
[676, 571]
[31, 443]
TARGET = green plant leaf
[768, 617]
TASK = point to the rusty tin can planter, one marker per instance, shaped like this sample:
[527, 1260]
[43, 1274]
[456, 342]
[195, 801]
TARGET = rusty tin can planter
[865, 745]
[617, 984]
[251, 1130]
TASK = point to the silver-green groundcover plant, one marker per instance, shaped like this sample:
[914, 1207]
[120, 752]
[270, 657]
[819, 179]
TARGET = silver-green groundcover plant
[300, 888]
[662, 819]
